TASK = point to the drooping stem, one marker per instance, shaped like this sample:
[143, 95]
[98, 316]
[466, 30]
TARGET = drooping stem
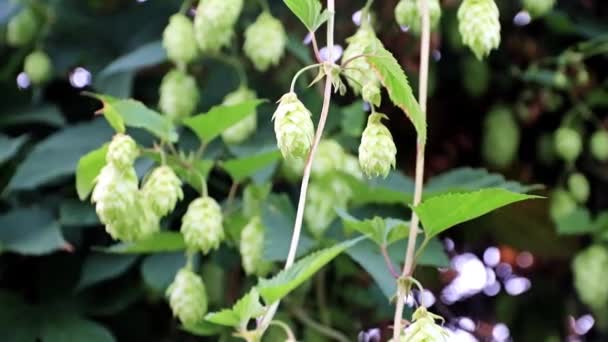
[301, 315]
[409, 264]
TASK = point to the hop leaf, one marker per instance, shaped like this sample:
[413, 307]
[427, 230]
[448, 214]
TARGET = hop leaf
[479, 26]
[188, 297]
[214, 23]
[178, 95]
[38, 67]
[538, 8]
[407, 13]
[293, 127]
[122, 151]
[424, 328]
[162, 190]
[377, 150]
[568, 144]
[358, 71]
[202, 225]
[178, 39]
[590, 276]
[243, 129]
[329, 157]
[252, 248]
[500, 138]
[265, 41]
[22, 28]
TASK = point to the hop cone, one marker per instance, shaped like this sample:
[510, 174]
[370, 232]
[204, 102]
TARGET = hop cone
[162, 190]
[407, 13]
[500, 138]
[214, 23]
[122, 151]
[568, 144]
[320, 208]
[561, 204]
[538, 8]
[22, 28]
[371, 93]
[377, 150]
[243, 129]
[599, 145]
[479, 26]
[292, 169]
[351, 166]
[38, 67]
[252, 248]
[202, 225]
[293, 127]
[178, 39]
[579, 187]
[424, 328]
[329, 157]
[178, 95]
[265, 41]
[359, 73]
[188, 297]
[590, 276]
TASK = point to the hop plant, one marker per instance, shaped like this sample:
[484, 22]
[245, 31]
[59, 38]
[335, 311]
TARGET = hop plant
[359, 72]
[293, 127]
[599, 145]
[202, 225]
[500, 138]
[538, 8]
[479, 26]
[214, 23]
[329, 157]
[38, 67]
[371, 93]
[320, 210]
[162, 190]
[293, 169]
[377, 151]
[590, 276]
[179, 41]
[178, 95]
[579, 187]
[252, 248]
[424, 328]
[122, 151]
[243, 129]
[188, 297]
[568, 144]
[350, 166]
[265, 41]
[407, 13]
[561, 204]
[22, 28]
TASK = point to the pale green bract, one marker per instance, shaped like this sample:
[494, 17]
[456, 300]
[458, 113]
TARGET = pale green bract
[424, 328]
[358, 71]
[178, 95]
[162, 190]
[178, 39]
[590, 277]
[251, 246]
[202, 225]
[329, 157]
[377, 152]
[243, 129]
[214, 23]
[293, 127]
[122, 151]
[265, 41]
[188, 297]
[561, 204]
[38, 67]
[407, 13]
[479, 26]
[538, 8]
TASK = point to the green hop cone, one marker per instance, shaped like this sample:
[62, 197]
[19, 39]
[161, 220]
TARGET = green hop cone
[188, 297]
[243, 129]
[178, 95]
[202, 225]
[252, 248]
[359, 72]
[599, 145]
[479, 26]
[371, 93]
[351, 167]
[38, 67]
[214, 23]
[321, 203]
[293, 169]
[329, 157]
[579, 187]
[162, 190]
[377, 151]
[122, 151]
[424, 328]
[22, 28]
[407, 13]
[589, 268]
[265, 41]
[538, 8]
[179, 41]
[561, 204]
[477, 77]
[501, 138]
[568, 144]
[293, 127]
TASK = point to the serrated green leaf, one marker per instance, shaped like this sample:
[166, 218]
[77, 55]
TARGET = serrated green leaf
[238, 316]
[287, 280]
[101, 267]
[210, 125]
[394, 189]
[394, 80]
[87, 170]
[242, 168]
[469, 179]
[309, 12]
[10, 146]
[373, 228]
[159, 242]
[445, 211]
[31, 231]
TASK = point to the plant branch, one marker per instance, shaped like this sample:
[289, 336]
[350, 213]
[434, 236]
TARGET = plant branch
[320, 328]
[409, 265]
[388, 262]
[315, 47]
[324, 313]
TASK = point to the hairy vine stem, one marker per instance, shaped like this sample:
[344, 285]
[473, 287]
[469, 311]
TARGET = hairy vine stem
[409, 264]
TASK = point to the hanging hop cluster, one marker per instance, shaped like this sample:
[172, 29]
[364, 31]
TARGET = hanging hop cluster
[590, 276]
[38, 67]
[178, 95]
[479, 26]
[22, 28]
[359, 74]
[202, 225]
[243, 129]
[293, 127]
[214, 23]
[162, 190]
[424, 328]
[538, 8]
[407, 14]
[377, 152]
[188, 297]
[251, 246]
[265, 41]
[179, 41]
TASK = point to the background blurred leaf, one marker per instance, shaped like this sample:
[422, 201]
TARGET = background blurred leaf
[32, 231]
[394, 189]
[309, 12]
[159, 242]
[242, 168]
[87, 170]
[469, 179]
[61, 327]
[100, 267]
[159, 270]
[76, 213]
[10, 146]
[44, 114]
[146, 55]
